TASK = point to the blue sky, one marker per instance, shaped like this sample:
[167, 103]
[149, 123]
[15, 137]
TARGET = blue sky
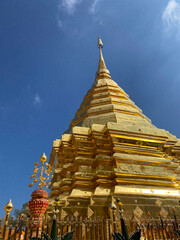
[48, 61]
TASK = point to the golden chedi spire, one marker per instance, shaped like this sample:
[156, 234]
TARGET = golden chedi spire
[100, 157]
[102, 71]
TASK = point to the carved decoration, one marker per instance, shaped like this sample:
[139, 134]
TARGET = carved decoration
[89, 212]
[63, 214]
[138, 212]
[76, 214]
[163, 212]
[158, 202]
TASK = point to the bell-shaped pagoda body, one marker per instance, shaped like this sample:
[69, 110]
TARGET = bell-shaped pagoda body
[111, 150]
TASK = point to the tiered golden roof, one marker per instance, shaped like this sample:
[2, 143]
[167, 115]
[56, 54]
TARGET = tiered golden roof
[107, 102]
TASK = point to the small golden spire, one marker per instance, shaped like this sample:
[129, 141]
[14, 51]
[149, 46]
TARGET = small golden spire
[9, 206]
[102, 72]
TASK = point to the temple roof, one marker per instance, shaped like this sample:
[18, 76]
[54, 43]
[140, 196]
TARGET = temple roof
[107, 102]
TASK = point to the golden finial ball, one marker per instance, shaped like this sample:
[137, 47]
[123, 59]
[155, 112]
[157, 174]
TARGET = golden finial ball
[43, 158]
[9, 206]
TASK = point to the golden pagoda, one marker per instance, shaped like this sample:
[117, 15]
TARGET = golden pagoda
[111, 150]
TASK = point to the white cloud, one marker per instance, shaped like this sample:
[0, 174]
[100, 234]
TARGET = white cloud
[69, 5]
[37, 99]
[171, 16]
[93, 6]
[59, 22]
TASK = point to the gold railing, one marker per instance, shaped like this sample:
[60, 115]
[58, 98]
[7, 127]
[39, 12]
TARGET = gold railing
[93, 228]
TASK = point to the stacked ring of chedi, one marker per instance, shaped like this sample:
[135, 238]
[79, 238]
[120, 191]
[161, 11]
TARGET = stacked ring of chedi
[38, 205]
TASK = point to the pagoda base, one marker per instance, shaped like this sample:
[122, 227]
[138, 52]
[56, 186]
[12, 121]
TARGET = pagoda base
[134, 205]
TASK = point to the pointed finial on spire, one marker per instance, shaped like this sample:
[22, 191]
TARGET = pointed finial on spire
[102, 72]
[100, 44]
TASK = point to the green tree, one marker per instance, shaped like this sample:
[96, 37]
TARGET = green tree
[24, 210]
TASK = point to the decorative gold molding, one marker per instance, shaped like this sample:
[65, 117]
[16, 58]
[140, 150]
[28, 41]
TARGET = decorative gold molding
[138, 138]
[146, 183]
[144, 176]
[74, 122]
[78, 112]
